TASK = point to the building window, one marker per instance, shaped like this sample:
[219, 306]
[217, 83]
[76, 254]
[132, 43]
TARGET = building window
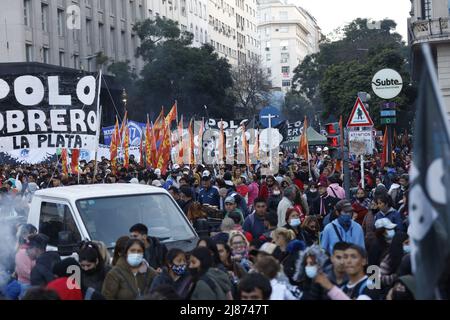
[88, 31]
[113, 8]
[268, 57]
[29, 52]
[283, 15]
[284, 45]
[284, 57]
[123, 43]
[206, 36]
[61, 23]
[286, 83]
[196, 33]
[269, 71]
[426, 9]
[284, 29]
[27, 12]
[61, 58]
[113, 41]
[44, 17]
[45, 55]
[76, 61]
[285, 69]
[124, 9]
[101, 5]
[101, 36]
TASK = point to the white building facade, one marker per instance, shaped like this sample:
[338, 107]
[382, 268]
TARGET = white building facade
[429, 23]
[287, 34]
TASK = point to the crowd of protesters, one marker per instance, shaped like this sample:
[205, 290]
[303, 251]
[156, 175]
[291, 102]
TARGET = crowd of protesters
[296, 235]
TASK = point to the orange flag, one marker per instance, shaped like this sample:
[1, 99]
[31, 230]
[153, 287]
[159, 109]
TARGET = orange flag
[113, 147]
[126, 147]
[172, 115]
[64, 160]
[180, 141]
[153, 149]
[124, 125]
[148, 144]
[384, 154]
[222, 146]
[191, 143]
[74, 162]
[339, 163]
[200, 142]
[158, 125]
[245, 146]
[164, 153]
[303, 148]
[141, 151]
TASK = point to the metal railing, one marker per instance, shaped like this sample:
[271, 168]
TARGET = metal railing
[429, 29]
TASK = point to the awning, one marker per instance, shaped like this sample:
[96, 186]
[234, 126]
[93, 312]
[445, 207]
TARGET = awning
[314, 139]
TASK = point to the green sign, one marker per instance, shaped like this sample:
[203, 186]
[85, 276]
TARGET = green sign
[388, 120]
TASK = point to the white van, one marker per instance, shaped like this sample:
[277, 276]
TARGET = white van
[105, 212]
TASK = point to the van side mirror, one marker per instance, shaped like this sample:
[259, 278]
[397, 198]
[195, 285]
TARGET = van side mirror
[66, 243]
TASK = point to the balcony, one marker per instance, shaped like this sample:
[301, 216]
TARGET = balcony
[433, 30]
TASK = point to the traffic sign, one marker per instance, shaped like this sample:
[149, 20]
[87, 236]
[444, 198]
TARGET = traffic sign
[359, 116]
[388, 120]
[388, 113]
[272, 113]
[360, 142]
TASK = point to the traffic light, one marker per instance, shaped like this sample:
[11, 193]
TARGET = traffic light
[333, 134]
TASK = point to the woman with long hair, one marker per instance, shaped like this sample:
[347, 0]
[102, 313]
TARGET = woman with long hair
[198, 218]
[309, 231]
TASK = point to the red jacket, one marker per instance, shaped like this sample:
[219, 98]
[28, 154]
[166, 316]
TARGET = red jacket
[299, 183]
[64, 292]
[264, 191]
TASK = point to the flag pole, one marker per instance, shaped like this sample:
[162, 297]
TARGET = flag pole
[99, 120]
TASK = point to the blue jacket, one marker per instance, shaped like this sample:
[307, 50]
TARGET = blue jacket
[254, 225]
[329, 238]
[392, 215]
[210, 196]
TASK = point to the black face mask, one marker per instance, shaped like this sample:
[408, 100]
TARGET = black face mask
[90, 272]
[194, 272]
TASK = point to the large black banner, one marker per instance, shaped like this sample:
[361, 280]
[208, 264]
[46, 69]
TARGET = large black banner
[48, 111]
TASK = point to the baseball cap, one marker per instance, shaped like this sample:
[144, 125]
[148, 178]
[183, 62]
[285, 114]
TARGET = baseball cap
[325, 149]
[344, 205]
[319, 149]
[230, 199]
[156, 183]
[206, 173]
[384, 223]
[176, 166]
[157, 171]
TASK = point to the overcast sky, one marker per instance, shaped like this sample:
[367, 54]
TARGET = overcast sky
[331, 14]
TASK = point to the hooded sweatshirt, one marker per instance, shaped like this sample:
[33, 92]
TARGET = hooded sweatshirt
[213, 285]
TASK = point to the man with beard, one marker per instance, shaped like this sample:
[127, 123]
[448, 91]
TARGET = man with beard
[266, 188]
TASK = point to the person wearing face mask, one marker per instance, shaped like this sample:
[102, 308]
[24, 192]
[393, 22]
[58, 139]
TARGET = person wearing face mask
[208, 283]
[93, 270]
[310, 263]
[131, 277]
[384, 233]
[312, 197]
[174, 274]
[384, 203]
[391, 261]
[287, 202]
[360, 205]
[309, 231]
[342, 229]
[274, 198]
[293, 221]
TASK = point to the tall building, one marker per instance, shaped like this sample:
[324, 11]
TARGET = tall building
[288, 34]
[233, 29]
[70, 33]
[429, 23]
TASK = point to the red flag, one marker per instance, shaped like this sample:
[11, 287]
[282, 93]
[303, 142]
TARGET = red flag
[124, 125]
[303, 148]
[64, 161]
[180, 141]
[126, 147]
[384, 155]
[153, 149]
[158, 125]
[74, 162]
[113, 147]
[172, 115]
[191, 143]
[164, 153]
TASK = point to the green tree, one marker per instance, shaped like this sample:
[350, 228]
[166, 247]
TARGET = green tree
[176, 71]
[331, 79]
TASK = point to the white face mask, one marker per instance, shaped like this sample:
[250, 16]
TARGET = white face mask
[311, 271]
[390, 234]
[276, 192]
[135, 259]
[295, 222]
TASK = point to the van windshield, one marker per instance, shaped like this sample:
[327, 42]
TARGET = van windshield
[107, 219]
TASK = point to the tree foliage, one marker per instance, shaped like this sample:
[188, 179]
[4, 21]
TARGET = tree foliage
[331, 79]
[251, 86]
